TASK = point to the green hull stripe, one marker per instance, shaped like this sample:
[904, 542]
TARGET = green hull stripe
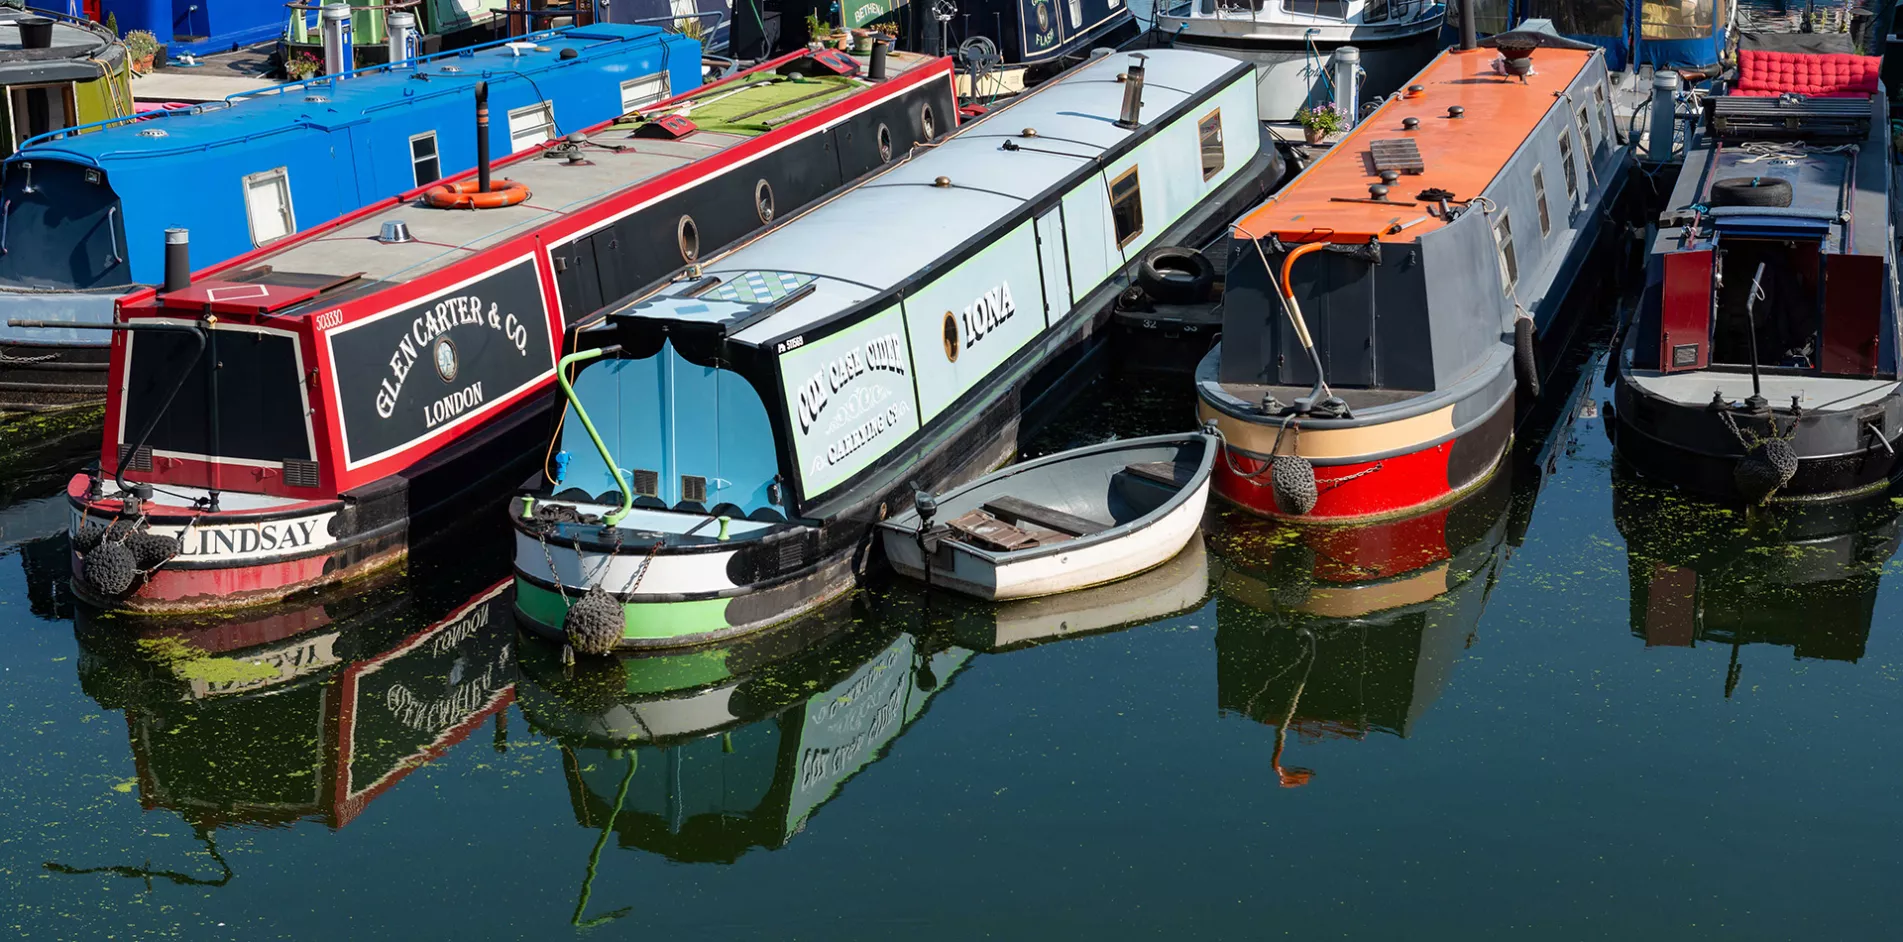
[645, 620]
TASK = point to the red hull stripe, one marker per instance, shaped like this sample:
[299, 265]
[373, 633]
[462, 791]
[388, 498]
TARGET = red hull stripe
[1348, 491]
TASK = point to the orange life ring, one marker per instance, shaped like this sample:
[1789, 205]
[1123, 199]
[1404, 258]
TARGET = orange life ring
[467, 195]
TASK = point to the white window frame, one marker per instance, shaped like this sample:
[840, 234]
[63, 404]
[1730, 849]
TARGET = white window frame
[640, 92]
[547, 111]
[436, 154]
[285, 211]
[1539, 197]
[1509, 270]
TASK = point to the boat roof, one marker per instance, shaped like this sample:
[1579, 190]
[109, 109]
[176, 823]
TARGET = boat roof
[1838, 194]
[1330, 200]
[615, 159]
[1074, 117]
[70, 58]
[332, 103]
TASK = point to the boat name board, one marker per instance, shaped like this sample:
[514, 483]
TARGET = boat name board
[481, 340]
[243, 542]
[984, 332]
[849, 391]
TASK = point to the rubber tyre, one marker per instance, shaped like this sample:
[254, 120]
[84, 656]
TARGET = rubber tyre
[1751, 191]
[1175, 275]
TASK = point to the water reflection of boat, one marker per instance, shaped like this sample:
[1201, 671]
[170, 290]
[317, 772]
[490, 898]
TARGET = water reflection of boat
[304, 714]
[1336, 633]
[1803, 576]
[704, 756]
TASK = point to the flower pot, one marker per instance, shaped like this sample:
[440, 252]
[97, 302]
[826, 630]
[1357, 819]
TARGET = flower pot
[143, 64]
[842, 41]
[1314, 135]
[862, 42]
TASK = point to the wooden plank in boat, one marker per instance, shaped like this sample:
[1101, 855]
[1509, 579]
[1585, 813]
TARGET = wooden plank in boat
[1020, 511]
[983, 530]
[1162, 472]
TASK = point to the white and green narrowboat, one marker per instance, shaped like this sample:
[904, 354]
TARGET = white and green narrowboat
[730, 440]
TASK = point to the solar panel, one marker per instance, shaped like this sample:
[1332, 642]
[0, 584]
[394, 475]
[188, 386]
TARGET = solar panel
[1400, 155]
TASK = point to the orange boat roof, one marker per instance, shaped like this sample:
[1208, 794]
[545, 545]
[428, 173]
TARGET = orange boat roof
[1460, 155]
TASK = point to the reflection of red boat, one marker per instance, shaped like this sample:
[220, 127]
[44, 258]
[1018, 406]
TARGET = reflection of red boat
[312, 723]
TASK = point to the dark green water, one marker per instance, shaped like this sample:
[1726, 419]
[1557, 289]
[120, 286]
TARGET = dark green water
[1567, 708]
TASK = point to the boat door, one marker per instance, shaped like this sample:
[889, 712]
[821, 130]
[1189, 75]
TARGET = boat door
[1854, 289]
[1685, 303]
[1051, 261]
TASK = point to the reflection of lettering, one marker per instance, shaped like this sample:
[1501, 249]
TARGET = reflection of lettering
[434, 322]
[884, 353]
[986, 314]
[874, 720]
[435, 714]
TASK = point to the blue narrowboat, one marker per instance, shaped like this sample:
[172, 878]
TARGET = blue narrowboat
[1688, 35]
[85, 208]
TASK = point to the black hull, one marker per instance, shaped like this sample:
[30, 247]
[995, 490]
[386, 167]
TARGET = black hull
[1710, 475]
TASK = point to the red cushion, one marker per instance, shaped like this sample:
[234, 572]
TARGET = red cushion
[1765, 74]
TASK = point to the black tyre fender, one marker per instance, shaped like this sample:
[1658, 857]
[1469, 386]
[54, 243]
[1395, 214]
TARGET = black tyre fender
[1751, 191]
[1526, 364]
[1172, 273]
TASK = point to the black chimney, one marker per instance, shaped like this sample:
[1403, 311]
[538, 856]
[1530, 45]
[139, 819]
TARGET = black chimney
[178, 260]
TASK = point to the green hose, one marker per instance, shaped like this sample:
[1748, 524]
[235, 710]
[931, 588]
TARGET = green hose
[561, 376]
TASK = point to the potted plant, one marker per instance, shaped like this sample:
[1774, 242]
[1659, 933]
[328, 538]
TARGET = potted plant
[1320, 121]
[841, 39]
[862, 42]
[816, 32]
[141, 46]
[302, 66]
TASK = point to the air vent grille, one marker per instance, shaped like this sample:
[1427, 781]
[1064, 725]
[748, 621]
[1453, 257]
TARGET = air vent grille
[1399, 154]
[646, 483]
[694, 488]
[790, 555]
[298, 473]
[140, 460]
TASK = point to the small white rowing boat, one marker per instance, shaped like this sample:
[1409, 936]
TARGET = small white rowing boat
[1063, 522]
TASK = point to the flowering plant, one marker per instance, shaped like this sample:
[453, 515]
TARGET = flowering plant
[303, 66]
[1326, 118]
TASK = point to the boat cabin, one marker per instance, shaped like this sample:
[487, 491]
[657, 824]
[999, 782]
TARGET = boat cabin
[351, 351]
[1690, 35]
[57, 72]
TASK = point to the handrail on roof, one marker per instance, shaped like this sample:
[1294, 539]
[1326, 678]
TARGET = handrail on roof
[230, 100]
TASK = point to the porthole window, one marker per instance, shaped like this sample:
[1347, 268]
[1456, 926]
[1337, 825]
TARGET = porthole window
[885, 144]
[763, 201]
[688, 235]
[928, 121]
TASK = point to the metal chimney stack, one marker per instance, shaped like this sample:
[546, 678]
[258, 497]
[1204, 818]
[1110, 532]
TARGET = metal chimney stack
[1132, 115]
[1469, 32]
[178, 260]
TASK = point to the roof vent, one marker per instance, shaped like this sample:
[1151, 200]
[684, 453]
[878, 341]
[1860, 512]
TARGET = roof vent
[318, 99]
[942, 182]
[152, 132]
[1416, 91]
[1455, 111]
[1399, 154]
[1409, 124]
[1028, 132]
[394, 232]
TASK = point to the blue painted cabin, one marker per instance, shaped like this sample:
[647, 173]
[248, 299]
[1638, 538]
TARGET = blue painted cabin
[1666, 34]
[85, 213]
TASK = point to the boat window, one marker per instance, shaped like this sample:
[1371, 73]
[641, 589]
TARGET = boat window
[645, 90]
[267, 201]
[38, 109]
[1209, 130]
[1539, 199]
[885, 143]
[1126, 206]
[531, 126]
[1337, 9]
[688, 235]
[1375, 11]
[424, 161]
[763, 200]
[1509, 263]
[1675, 19]
[928, 122]
[1585, 131]
[1566, 160]
[1599, 105]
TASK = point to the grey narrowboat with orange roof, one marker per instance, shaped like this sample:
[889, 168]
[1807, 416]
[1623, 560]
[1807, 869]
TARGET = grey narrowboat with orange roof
[1385, 310]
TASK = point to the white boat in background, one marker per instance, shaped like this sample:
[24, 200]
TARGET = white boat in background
[1292, 43]
[1063, 522]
